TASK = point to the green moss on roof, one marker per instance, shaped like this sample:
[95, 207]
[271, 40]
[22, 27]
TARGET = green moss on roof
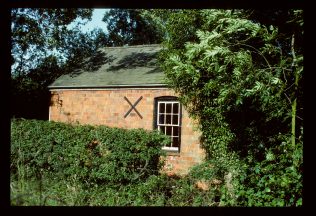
[111, 66]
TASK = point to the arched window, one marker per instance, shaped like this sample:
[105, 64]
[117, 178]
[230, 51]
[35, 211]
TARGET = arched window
[167, 119]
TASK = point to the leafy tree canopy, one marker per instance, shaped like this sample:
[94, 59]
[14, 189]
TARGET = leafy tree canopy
[240, 74]
[37, 31]
[128, 27]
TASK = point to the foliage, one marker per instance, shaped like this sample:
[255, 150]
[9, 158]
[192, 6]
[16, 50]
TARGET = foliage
[40, 64]
[60, 164]
[38, 36]
[29, 96]
[276, 181]
[81, 46]
[240, 76]
[128, 27]
[36, 31]
[177, 25]
[157, 190]
[90, 154]
[44, 48]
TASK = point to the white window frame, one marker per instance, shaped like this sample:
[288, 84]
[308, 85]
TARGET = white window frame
[173, 115]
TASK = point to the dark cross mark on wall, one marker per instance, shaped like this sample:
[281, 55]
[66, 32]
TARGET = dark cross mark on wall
[133, 107]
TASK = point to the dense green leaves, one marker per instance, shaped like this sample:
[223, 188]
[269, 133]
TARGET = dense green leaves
[60, 164]
[92, 154]
[36, 32]
[239, 75]
[44, 48]
[128, 27]
[267, 184]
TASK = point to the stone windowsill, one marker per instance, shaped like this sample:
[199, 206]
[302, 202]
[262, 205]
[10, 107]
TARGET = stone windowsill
[172, 153]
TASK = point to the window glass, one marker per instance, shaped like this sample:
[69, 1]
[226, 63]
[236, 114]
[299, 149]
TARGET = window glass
[175, 142]
[161, 118]
[168, 121]
[162, 129]
[168, 130]
[176, 131]
[168, 107]
[175, 119]
[175, 108]
[161, 108]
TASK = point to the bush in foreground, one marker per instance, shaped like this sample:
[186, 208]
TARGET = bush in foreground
[93, 154]
[70, 165]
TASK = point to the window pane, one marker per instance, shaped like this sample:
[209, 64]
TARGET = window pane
[161, 119]
[176, 131]
[162, 129]
[168, 131]
[168, 119]
[175, 142]
[175, 119]
[161, 108]
[169, 145]
[168, 105]
[175, 108]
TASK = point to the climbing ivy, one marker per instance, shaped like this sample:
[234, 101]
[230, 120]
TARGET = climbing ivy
[241, 77]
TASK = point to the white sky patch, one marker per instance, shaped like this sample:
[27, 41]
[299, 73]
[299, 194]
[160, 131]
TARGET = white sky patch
[95, 23]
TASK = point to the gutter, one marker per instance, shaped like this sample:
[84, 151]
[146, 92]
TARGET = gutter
[110, 86]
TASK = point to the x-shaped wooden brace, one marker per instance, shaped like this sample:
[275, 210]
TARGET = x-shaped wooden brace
[133, 107]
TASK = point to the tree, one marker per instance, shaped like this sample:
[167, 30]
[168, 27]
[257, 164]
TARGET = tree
[128, 27]
[36, 32]
[240, 76]
[79, 46]
[38, 37]
[29, 95]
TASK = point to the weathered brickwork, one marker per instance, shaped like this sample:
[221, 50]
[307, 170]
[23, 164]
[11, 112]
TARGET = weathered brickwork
[108, 107]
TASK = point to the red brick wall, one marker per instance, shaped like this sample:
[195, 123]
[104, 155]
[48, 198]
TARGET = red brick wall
[108, 107]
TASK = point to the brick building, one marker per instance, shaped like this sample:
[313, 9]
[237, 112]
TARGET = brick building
[124, 87]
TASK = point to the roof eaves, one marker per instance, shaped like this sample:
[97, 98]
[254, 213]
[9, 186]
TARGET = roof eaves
[109, 86]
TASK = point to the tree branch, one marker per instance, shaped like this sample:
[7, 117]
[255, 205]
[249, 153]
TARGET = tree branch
[289, 87]
[288, 98]
[294, 93]
[292, 50]
[256, 50]
[299, 117]
[284, 74]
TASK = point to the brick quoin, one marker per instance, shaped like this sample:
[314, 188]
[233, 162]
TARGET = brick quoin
[108, 107]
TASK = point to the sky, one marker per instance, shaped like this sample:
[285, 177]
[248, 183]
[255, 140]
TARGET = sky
[96, 21]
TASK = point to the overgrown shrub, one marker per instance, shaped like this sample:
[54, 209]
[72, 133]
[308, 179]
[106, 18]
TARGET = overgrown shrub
[61, 164]
[241, 77]
[275, 181]
[91, 154]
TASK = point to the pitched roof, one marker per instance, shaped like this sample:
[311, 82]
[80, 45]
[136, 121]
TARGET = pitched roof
[116, 66]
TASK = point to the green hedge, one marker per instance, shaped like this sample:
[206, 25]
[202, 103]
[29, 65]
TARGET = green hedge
[93, 154]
